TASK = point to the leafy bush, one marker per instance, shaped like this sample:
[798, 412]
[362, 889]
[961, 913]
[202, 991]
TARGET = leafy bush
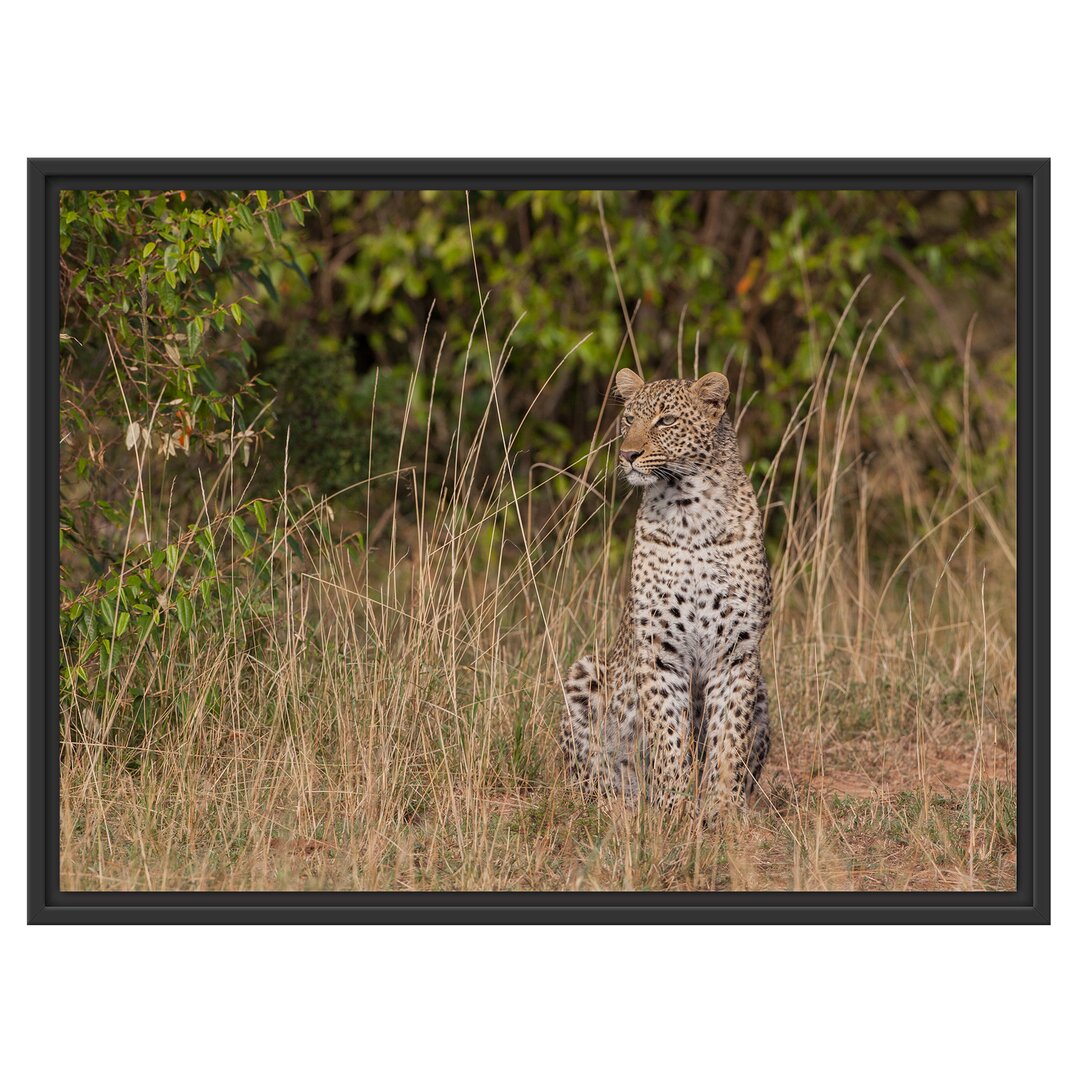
[231, 358]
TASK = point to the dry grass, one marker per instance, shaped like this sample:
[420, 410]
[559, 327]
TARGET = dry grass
[390, 721]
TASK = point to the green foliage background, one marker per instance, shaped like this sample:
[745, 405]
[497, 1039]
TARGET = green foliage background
[200, 328]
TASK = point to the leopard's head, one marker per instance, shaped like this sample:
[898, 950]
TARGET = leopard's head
[668, 425]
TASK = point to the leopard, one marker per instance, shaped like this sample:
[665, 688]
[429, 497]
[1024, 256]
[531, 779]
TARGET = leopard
[677, 712]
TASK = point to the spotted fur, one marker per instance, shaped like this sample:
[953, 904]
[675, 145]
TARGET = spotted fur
[679, 707]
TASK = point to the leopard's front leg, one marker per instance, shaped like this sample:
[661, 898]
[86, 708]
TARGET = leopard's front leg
[664, 704]
[730, 699]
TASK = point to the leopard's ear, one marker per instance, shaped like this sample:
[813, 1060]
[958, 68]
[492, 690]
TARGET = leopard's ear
[628, 383]
[712, 389]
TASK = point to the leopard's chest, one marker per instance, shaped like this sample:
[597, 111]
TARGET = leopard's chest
[679, 597]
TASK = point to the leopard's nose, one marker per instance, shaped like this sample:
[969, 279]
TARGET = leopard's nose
[629, 456]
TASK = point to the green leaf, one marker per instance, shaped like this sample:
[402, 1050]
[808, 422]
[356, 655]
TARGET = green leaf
[240, 531]
[194, 336]
[149, 248]
[267, 283]
[185, 611]
[122, 621]
[205, 539]
[237, 313]
[260, 514]
[274, 221]
[261, 196]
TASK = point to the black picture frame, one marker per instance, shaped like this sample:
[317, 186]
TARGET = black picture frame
[1030, 903]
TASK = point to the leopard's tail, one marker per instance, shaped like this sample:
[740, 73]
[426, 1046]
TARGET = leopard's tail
[582, 740]
[598, 755]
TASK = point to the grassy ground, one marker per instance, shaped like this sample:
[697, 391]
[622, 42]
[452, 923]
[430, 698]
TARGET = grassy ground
[387, 718]
[407, 767]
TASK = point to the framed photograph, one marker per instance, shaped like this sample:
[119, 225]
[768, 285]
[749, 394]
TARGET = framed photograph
[539, 541]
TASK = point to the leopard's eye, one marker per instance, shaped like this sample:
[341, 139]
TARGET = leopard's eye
[667, 421]
[628, 418]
